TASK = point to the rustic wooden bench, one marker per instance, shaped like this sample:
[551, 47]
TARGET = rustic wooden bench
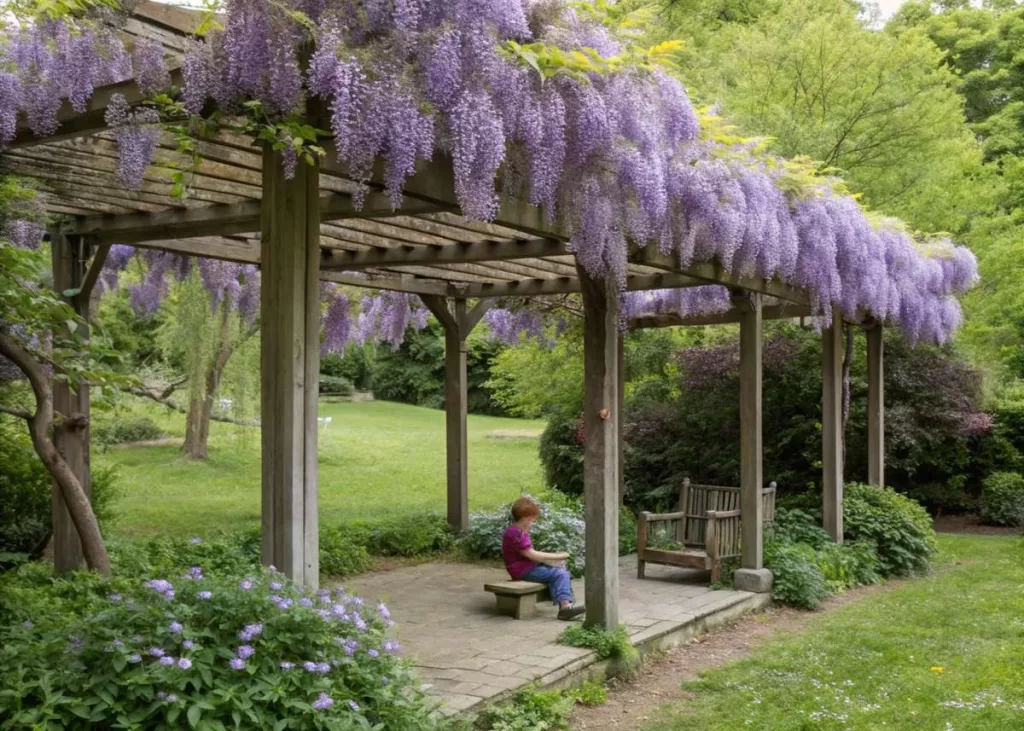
[703, 532]
[517, 599]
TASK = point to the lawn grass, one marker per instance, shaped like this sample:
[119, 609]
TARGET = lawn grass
[377, 459]
[942, 653]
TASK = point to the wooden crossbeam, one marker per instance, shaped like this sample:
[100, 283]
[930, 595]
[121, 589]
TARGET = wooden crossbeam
[224, 219]
[455, 253]
[769, 312]
[410, 285]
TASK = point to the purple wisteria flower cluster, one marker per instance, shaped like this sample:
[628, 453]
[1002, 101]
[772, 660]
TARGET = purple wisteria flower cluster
[618, 157]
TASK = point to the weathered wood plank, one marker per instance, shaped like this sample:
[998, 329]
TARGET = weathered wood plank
[876, 405]
[458, 253]
[832, 426]
[751, 470]
[601, 450]
[290, 317]
[69, 256]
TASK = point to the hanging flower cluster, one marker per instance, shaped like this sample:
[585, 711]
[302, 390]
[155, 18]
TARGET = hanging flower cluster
[384, 318]
[544, 98]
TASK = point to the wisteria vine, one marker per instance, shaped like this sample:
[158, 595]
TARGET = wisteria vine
[532, 99]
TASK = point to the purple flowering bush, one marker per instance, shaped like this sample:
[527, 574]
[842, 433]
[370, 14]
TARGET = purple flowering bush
[206, 652]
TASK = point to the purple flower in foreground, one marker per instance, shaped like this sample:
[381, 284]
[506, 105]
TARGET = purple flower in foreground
[135, 658]
[117, 644]
[323, 701]
[373, 653]
[237, 663]
[156, 652]
[166, 661]
[196, 541]
[287, 665]
[353, 705]
[245, 651]
[276, 586]
[384, 680]
[114, 597]
[306, 601]
[391, 647]
[204, 594]
[246, 584]
[160, 586]
[195, 573]
[184, 663]
[188, 644]
[383, 612]
[175, 627]
[160, 695]
[250, 632]
[172, 698]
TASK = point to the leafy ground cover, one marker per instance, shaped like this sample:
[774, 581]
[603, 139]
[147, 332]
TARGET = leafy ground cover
[377, 460]
[940, 653]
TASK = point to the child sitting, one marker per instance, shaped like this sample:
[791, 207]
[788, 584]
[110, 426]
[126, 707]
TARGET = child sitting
[526, 564]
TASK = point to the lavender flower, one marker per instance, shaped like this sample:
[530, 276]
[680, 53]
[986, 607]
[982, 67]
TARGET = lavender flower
[175, 627]
[184, 663]
[114, 597]
[135, 658]
[323, 701]
[166, 661]
[157, 652]
[237, 663]
[205, 594]
[245, 651]
[188, 644]
[287, 665]
[353, 705]
[250, 632]
[246, 584]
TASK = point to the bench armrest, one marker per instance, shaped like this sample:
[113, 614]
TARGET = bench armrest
[723, 534]
[658, 517]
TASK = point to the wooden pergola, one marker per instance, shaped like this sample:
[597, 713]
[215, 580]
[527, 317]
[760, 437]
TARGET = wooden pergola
[308, 229]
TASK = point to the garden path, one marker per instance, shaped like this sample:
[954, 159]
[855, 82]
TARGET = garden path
[468, 655]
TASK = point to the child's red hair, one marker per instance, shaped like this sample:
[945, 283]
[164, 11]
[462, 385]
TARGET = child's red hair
[524, 507]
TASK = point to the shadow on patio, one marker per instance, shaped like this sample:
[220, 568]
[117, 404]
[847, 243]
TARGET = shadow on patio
[467, 654]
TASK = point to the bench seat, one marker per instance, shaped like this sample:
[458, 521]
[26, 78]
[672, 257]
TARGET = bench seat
[517, 599]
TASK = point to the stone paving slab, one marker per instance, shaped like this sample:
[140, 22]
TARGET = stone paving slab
[467, 655]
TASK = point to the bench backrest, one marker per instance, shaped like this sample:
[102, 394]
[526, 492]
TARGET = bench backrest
[696, 500]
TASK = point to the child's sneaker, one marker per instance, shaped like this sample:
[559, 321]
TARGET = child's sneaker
[571, 612]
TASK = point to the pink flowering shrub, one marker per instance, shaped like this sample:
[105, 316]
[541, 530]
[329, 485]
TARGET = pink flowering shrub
[205, 652]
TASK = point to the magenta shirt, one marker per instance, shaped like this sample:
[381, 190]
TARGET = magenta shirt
[513, 543]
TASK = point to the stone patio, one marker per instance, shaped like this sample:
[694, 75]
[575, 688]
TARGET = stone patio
[468, 655]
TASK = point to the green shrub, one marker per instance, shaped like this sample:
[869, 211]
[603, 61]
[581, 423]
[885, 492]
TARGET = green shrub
[126, 431]
[26, 491]
[335, 386]
[845, 565]
[590, 693]
[797, 576]
[899, 528]
[529, 710]
[627, 531]
[562, 455]
[950, 496]
[1002, 499]
[414, 535]
[607, 645]
[559, 529]
[798, 526]
[205, 652]
[224, 553]
[342, 554]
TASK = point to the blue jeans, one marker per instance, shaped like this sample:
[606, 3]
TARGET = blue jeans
[558, 580]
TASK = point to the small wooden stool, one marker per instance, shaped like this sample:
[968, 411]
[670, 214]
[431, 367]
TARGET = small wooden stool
[517, 599]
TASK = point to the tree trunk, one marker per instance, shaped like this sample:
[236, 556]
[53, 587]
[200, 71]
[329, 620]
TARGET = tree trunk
[40, 424]
[200, 407]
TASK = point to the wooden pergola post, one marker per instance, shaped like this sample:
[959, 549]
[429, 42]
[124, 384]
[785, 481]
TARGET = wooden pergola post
[601, 448]
[71, 271]
[876, 405]
[458, 322]
[290, 366]
[752, 576]
[832, 426]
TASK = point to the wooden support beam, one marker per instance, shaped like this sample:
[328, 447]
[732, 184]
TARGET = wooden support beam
[601, 449]
[290, 366]
[458, 322]
[99, 259]
[398, 283]
[225, 219]
[730, 317]
[455, 253]
[751, 449]
[713, 273]
[832, 426]
[70, 257]
[74, 124]
[876, 405]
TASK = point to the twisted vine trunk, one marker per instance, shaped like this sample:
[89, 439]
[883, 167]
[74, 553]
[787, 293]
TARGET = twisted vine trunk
[40, 425]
